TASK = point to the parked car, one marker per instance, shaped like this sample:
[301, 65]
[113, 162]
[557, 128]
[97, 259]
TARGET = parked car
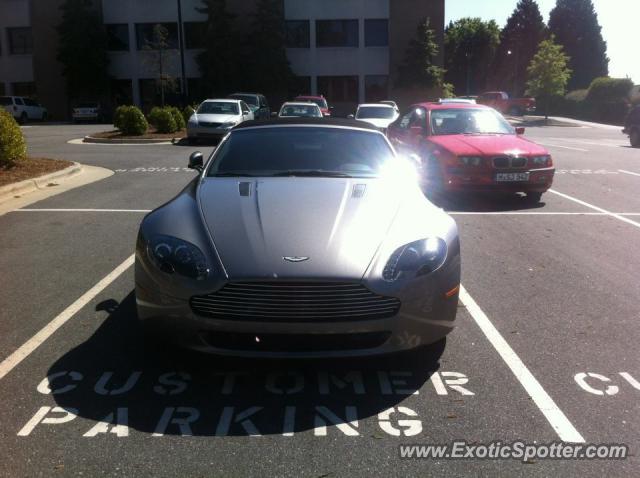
[501, 101]
[300, 109]
[632, 127]
[319, 100]
[391, 103]
[87, 111]
[302, 237]
[378, 114]
[256, 101]
[24, 109]
[214, 118]
[465, 147]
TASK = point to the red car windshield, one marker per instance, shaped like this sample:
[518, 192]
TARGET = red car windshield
[468, 121]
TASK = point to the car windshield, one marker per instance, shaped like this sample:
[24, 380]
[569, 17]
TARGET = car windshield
[310, 110]
[248, 99]
[301, 151]
[5, 100]
[218, 108]
[468, 121]
[374, 112]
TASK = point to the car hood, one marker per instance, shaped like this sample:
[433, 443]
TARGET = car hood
[323, 219]
[377, 122]
[209, 118]
[488, 145]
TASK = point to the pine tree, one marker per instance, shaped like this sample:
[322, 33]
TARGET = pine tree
[221, 62]
[548, 72]
[519, 41]
[418, 68]
[575, 25]
[82, 50]
[470, 46]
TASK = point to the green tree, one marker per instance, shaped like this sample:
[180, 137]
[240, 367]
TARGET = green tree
[470, 46]
[548, 72]
[519, 41]
[575, 25]
[158, 55]
[82, 50]
[418, 68]
[221, 62]
[268, 67]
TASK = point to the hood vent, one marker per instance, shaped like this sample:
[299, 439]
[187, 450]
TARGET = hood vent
[358, 190]
[244, 189]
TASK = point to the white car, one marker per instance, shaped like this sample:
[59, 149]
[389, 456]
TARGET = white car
[380, 115]
[300, 109]
[23, 109]
[87, 111]
[214, 118]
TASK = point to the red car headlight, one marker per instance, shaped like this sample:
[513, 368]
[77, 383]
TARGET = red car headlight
[543, 161]
[470, 160]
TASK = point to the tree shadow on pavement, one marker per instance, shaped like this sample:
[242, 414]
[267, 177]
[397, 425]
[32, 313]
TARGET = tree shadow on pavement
[170, 391]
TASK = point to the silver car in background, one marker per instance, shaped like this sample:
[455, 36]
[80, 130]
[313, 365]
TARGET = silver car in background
[379, 115]
[214, 118]
[299, 237]
[298, 109]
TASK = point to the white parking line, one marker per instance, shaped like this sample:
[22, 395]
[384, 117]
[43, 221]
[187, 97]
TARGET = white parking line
[556, 418]
[47, 331]
[82, 210]
[596, 208]
[629, 172]
[563, 147]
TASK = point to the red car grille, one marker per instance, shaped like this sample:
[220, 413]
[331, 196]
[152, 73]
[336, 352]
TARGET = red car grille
[508, 162]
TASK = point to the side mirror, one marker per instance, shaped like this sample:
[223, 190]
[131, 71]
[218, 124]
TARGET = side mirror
[350, 116]
[196, 161]
[520, 130]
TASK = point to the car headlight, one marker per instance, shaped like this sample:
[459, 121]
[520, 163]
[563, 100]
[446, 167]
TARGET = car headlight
[193, 120]
[172, 255]
[228, 125]
[541, 160]
[419, 258]
[471, 160]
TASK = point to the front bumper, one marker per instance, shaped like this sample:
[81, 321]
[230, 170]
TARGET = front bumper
[540, 180]
[197, 131]
[425, 316]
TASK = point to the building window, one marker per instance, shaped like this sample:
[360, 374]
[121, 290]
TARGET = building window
[24, 88]
[376, 33]
[148, 35]
[195, 35]
[297, 33]
[336, 33]
[118, 37]
[20, 41]
[340, 89]
[376, 88]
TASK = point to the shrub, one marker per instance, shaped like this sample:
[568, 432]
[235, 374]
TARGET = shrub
[12, 145]
[117, 116]
[187, 112]
[177, 117]
[163, 120]
[131, 121]
[607, 89]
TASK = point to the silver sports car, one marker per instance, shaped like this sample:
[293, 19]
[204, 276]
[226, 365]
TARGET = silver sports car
[299, 237]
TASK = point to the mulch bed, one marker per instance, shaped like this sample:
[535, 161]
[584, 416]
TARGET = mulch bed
[31, 168]
[151, 134]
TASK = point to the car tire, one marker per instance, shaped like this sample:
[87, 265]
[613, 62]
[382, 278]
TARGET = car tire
[192, 141]
[533, 197]
[634, 137]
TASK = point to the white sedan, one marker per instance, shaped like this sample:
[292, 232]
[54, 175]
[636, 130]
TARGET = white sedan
[299, 109]
[379, 115]
[214, 118]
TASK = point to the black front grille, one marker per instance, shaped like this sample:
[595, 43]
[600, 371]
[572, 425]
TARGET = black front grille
[209, 125]
[295, 302]
[501, 162]
[504, 162]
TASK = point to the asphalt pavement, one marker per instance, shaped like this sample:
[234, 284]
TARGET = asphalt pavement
[546, 348]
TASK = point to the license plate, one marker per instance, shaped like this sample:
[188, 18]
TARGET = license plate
[508, 177]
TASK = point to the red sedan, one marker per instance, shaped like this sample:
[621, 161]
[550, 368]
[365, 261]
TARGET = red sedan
[466, 147]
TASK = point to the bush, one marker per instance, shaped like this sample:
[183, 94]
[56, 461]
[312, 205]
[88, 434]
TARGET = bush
[187, 112]
[12, 145]
[130, 121]
[607, 89]
[163, 120]
[177, 117]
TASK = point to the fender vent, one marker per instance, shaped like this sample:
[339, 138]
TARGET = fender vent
[244, 189]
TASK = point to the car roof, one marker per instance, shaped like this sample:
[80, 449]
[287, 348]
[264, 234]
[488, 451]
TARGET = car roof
[222, 100]
[315, 97]
[381, 105]
[447, 106]
[246, 94]
[298, 121]
[299, 103]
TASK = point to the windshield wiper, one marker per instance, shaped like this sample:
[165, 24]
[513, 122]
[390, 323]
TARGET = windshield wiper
[312, 173]
[228, 174]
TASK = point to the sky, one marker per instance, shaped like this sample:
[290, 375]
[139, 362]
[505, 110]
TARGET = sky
[618, 18]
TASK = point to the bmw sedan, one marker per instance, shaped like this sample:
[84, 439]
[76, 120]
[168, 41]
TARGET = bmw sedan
[299, 237]
[214, 118]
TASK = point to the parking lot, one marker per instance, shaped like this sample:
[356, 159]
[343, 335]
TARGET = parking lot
[546, 347]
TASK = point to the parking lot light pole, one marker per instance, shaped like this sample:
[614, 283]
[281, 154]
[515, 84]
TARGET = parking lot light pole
[183, 82]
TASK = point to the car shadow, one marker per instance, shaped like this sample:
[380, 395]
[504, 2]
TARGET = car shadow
[166, 390]
[185, 142]
[482, 202]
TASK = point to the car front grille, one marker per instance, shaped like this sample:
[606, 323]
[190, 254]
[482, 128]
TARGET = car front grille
[295, 302]
[209, 125]
[506, 162]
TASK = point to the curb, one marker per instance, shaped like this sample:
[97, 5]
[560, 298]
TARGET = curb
[28, 185]
[91, 139]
